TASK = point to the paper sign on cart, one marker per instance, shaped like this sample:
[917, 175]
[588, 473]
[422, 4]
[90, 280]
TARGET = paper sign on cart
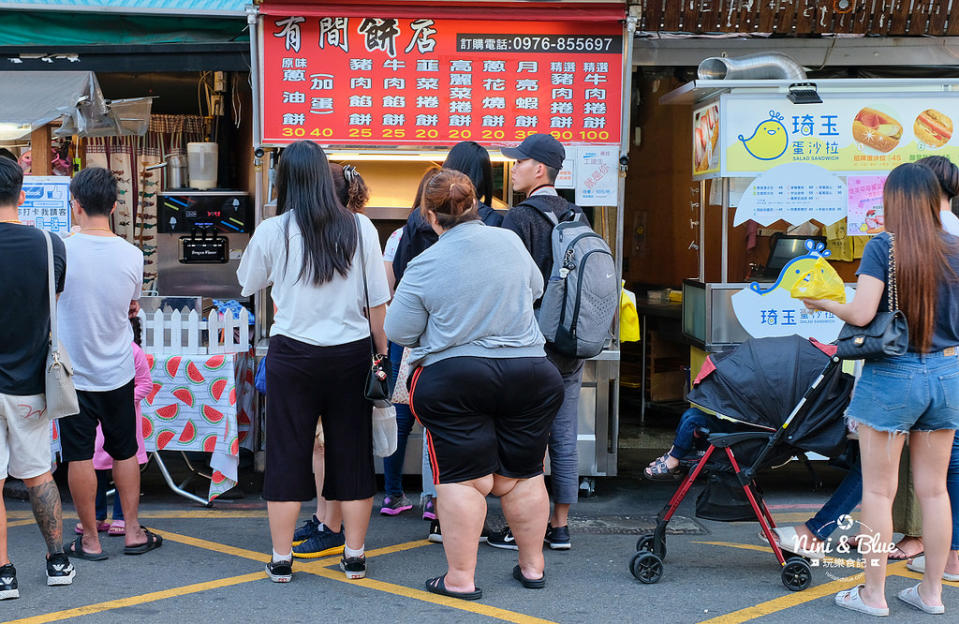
[795, 193]
[567, 175]
[865, 205]
[597, 176]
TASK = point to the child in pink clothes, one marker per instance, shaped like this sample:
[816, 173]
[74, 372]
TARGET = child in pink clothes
[103, 463]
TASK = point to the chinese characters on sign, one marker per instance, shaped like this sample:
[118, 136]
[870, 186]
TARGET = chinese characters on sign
[795, 192]
[597, 176]
[47, 204]
[865, 216]
[362, 81]
[848, 133]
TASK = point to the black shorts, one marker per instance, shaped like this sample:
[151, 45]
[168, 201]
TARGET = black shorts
[304, 382]
[115, 411]
[486, 415]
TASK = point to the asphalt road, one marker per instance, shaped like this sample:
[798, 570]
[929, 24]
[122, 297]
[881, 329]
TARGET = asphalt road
[210, 570]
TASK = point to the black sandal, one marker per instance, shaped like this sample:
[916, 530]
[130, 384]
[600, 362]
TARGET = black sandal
[153, 542]
[529, 583]
[75, 551]
[659, 471]
[437, 585]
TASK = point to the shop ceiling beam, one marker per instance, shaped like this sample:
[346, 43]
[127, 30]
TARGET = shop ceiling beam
[799, 17]
[688, 51]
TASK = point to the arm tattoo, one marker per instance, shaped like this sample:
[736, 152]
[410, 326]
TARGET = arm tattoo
[45, 499]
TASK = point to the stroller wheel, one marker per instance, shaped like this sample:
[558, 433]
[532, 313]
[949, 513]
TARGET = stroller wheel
[797, 574]
[647, 567]
[647, 543]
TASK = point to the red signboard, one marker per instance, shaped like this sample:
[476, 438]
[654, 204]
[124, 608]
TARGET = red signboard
[374, 81]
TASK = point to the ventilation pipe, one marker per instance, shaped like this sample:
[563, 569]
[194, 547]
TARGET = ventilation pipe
[753, 67]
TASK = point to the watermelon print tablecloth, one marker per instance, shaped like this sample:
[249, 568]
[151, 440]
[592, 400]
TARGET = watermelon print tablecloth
[192, 407]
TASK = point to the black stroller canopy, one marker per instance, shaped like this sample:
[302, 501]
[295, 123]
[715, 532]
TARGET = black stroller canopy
[761, 381]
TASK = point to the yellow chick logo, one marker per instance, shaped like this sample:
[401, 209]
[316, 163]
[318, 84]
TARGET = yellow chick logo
[769, 140]
[795, 268]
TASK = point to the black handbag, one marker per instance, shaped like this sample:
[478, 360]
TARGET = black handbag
[887, 335]
[377, 387]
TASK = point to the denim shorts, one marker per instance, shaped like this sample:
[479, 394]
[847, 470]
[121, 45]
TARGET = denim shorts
[912, 392]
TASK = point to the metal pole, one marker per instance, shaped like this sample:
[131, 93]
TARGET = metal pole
[631, 23]
[703, 200]
[725, 260]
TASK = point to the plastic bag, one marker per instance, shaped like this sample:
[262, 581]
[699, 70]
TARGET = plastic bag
[384, 431]
[628, 317]
[820, 282]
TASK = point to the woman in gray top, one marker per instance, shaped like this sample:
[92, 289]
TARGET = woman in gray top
[480, 384]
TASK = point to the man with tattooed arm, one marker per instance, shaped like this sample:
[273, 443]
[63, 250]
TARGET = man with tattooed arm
[24, 334]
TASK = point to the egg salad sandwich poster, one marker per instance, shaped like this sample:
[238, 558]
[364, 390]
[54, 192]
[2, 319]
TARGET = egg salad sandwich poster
[846, 134]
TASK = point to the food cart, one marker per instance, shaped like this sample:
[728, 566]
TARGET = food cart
[796, 150]
[390, 88]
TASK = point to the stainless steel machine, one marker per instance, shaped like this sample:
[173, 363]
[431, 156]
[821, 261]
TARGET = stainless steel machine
[201, 236]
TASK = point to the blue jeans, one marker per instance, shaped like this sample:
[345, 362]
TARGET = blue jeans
[685, 439]
[911, 392]
[393, 465]
[103, 484]
[842, 502]
[952, 486]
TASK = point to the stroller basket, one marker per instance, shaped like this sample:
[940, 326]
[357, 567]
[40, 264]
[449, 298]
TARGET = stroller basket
[724, 500]
[786, 396]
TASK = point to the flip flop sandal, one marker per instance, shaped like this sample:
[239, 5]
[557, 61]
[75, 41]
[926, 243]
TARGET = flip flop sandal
[75, 551]
[437, 585]
[659, 471]
[788, 540]
[153, 542]
[102, 527]
[919, 565]
[894, 557]
[850, 599]
[529, 583]
[117, 528]
[912, 598]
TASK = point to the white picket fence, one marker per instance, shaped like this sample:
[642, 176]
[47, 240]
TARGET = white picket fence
[185, 333]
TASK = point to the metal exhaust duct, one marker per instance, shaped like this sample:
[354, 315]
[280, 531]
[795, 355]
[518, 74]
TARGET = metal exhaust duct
[752, 67]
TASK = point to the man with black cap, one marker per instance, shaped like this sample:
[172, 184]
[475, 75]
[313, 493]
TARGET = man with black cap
[538, 161]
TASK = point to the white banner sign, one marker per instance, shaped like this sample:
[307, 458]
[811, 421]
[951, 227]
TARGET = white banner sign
[796, 193]
[769, 310]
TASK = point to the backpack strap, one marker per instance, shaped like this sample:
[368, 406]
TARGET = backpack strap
[569, 215]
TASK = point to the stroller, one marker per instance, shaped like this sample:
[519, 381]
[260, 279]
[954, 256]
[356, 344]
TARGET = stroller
[774, 399]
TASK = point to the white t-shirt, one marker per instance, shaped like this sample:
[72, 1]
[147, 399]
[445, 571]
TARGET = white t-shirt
[950, 222]
[325, 315]
[389, 252]
[104, 274]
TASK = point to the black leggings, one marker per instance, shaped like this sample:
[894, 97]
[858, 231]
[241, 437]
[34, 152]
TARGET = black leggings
[304, 382]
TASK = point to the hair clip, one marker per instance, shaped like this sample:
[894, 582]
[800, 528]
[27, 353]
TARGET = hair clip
[349, 173]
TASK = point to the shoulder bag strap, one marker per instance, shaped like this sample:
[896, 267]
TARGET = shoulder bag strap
[892, 300]
[52, 292]
[366, 292]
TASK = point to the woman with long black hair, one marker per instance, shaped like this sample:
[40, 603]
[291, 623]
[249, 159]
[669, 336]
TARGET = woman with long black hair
[319, 351]
[915, 394]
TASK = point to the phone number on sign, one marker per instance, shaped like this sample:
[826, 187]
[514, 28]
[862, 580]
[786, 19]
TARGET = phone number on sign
[466, 42]
[434, 134]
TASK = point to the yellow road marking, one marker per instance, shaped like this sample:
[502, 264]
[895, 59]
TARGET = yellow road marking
[17, 523]
[798, 598]
[319, 568]
[906, 573]
[424, 596]
[220, 548]
[141, 599]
